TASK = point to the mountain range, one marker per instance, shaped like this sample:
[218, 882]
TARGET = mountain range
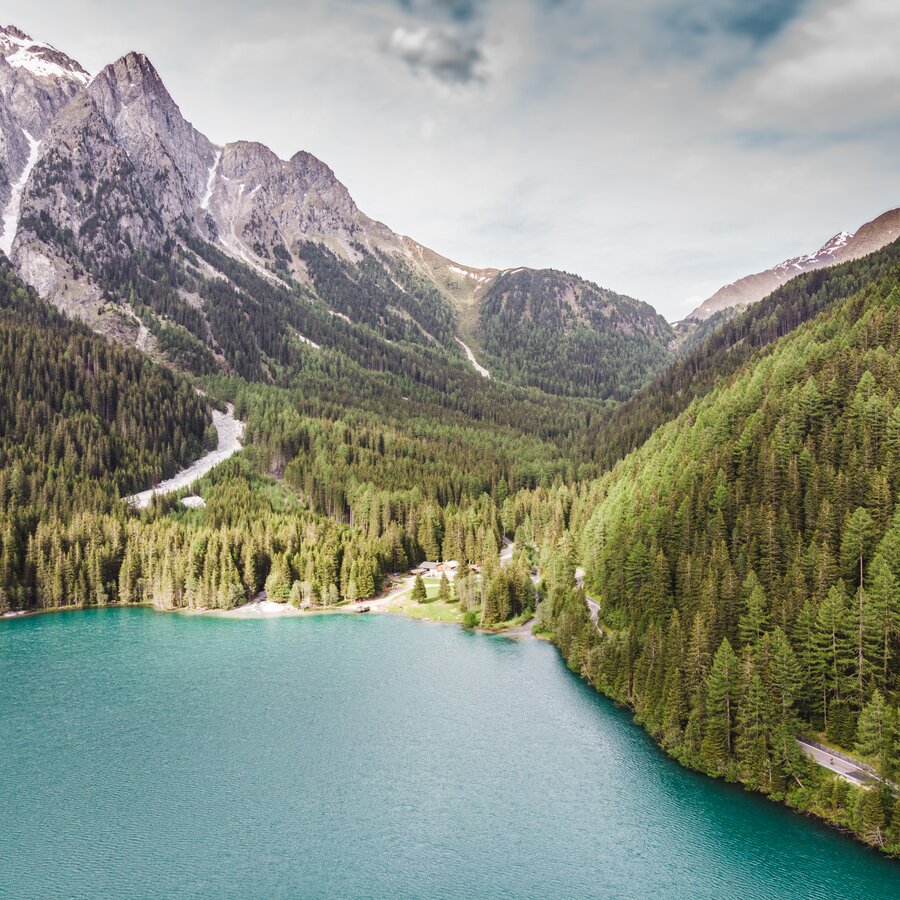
[103, 180]
[120, 212]
[727, 487]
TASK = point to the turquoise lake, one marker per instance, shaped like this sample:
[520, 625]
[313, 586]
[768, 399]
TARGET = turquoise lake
[158, 755]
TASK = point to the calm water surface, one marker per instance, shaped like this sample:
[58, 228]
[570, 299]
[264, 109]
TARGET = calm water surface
[153, 755]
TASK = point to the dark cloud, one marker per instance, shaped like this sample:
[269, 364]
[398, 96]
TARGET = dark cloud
[458, 10]
[755, 20]
[760, 20]
[448, 55]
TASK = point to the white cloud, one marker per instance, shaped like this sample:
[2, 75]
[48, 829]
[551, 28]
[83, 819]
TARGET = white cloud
[836, 68]
[449, 55]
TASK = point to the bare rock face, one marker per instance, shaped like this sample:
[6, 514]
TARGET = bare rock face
[14, 146]
[36, 81]
[83, 202]
[120, 169]
[871, 237]
[171, 158]
[257, 202]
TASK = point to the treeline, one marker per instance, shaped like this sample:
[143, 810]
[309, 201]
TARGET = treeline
[329, 454]
[747, 561]
[256, 535]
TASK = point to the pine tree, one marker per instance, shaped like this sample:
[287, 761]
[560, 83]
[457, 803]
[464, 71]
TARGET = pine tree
[871, 818]
[697, 667]
[365, 577]
[833, 648]
[675, 708]
[784, 677]
[721, 696]
[753, 732]
[884, 603]
[278, 584]
[755, 621]
[444, 589]
[873, 735]
[857, 542]
[419, 593]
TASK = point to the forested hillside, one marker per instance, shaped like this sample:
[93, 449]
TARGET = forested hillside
[81, 423]
[371, 481]
[564, 335]
[735, 341]
[747, 557]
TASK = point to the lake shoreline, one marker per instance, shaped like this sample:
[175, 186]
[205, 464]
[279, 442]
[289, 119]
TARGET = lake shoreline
[810, 814]
[243, 614]
[514, 633]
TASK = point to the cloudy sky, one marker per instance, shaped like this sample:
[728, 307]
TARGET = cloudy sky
[658, 147]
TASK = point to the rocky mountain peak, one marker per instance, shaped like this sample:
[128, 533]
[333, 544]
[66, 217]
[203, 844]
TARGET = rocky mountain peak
[320, 179]
[132, 77]
[844, 246]
[42, 61]
[11, 31]
[36, 81]
[172, 157]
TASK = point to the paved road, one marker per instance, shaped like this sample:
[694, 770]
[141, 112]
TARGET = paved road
[846, 770]
[593, 605]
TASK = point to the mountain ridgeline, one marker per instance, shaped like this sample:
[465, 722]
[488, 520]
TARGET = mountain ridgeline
[843, 247]
[117, 188]
[549, 329]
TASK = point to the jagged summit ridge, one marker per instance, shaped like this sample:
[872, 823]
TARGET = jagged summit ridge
[41, 60]
[171, 157]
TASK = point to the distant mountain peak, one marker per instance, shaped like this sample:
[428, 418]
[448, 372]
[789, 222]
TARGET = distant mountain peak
[41, 60]
[844, 246]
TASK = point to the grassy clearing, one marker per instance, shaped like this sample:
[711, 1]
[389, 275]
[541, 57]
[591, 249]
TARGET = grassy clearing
[500, 627]
[434, 610]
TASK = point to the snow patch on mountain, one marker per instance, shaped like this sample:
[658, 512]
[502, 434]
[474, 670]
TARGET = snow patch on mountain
[211, 181]
[40, 59]
[14, 206]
